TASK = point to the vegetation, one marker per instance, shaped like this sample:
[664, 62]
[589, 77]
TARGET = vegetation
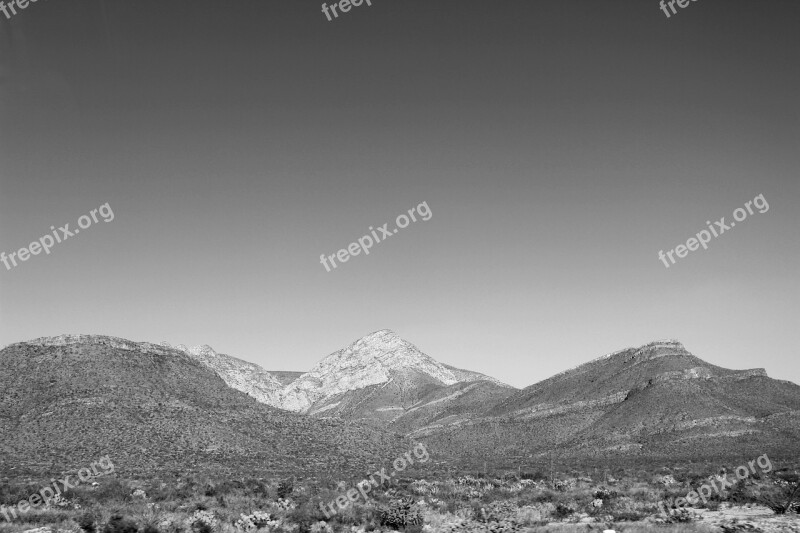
[480, 503]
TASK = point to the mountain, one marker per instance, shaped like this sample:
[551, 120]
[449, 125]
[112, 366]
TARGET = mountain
[241, 375]
[656, 401]
[375, 379]
[66, 401]
[379, 378]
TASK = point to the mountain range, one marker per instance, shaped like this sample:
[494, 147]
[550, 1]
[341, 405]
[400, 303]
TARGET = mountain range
[159, 406]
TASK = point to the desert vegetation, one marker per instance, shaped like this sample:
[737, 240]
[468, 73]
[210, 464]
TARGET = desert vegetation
[476, 502]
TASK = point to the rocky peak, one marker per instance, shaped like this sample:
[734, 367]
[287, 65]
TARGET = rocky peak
[371, 360]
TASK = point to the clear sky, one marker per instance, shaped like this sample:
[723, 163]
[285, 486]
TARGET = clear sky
[560, 144]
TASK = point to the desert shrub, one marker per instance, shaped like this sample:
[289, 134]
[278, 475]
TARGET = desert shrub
[202, 521]
[738, 493]
[605, 494]
[10, 495]
[285, 488]
[534, 515]
[544, 496]
[783, 497]
[496, 511]
[256, 520]
[87, 522]
[112, 489]
[119, 524]
[258, 487]
[679, 516]
[400, 514]
[563, 511]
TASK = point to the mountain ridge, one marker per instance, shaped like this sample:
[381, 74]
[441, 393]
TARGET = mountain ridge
[652, 401]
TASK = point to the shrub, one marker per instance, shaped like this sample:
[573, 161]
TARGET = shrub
[400, 514]
[256, 520]
[738, 493]
[112, 490]
[605, 494]
[562, 511]
[285, 488]
[202, 521]
[119, 524]
[682, 516]
[784, 501]
[87, 522]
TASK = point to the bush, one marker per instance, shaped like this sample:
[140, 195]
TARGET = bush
[112, 490]
[784, 500]
[605, 494]
[285, 488]
[679, 516]
[87, 522]
[738, 493]
[400, 514]
[119, 524]
[562, 511]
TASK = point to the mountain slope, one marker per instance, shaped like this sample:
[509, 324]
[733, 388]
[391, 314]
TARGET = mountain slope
[241, 375]
[65, 401]
[655, 401]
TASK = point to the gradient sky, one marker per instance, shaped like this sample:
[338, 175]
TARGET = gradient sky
[560, 144]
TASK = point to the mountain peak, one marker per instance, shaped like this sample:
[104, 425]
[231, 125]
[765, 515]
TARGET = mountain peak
[376, 358]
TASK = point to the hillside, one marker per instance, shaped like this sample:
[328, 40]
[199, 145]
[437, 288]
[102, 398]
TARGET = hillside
[657, 401]
[65, 401]
[241, 375]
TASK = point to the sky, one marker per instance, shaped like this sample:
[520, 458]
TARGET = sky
[559, 146]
